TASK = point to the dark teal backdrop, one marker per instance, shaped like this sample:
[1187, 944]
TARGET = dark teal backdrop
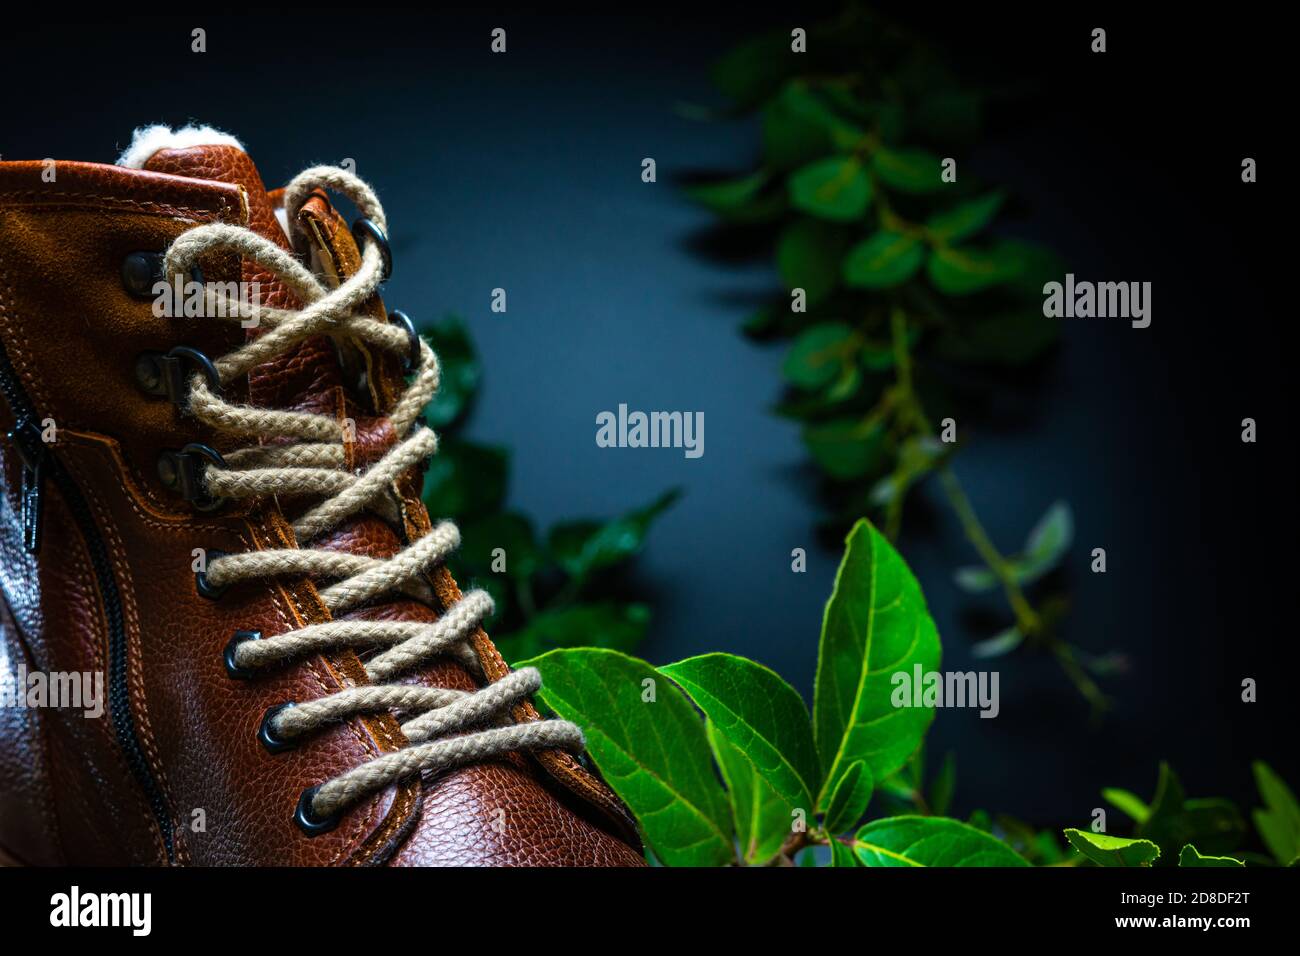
[523, 172]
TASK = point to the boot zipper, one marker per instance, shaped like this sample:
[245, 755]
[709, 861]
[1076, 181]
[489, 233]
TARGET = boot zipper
[38, 464]
[26, 437]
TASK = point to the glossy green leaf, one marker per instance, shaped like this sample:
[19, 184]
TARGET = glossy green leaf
[819, 355]
[581, 547]
[876, 624]
[762, 819]
[968, 269]
[834, 188]
[908, 170]
[1190, 856]
[846, 448]
[1106, 850]
[459, 371]
[1279, 822]
[848, 802]
[465, 480]
[759, 714]
[808, 255]
[965, 219]
[1128, 802]
[842, 855]
[653, 753]
[885, 260]
[930, 841]
[620, 627]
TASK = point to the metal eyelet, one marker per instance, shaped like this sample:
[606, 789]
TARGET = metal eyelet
[266, 732]
[178, 382]
[233, 670]
[306, 818]
[201, 578]
[182, 472]
[166, 374]
[365, 228]
[403, 321]
[141, 271]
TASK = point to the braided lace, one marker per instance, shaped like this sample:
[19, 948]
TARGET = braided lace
[306, 459]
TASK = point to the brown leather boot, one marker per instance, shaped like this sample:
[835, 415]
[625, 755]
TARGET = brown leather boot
[167, 526]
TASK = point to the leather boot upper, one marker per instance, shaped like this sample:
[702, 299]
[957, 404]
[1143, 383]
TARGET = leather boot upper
[174, 772]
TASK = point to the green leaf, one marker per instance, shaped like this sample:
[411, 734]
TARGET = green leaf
[1279, 823]
[465, 480]
[754, 70]
[460, 372]
[761, 817]
[620, 627]
[1001, 337]
[1046, 545]
[846, 448]
[835, 188]
[942, 788]
[916, 458]
[876, 624]
[799, 127]
[1192, 857]
[930, 841]
[885, 260]
[1214, 825]
[581, 547]
[512, 533]
[1106, 850]
[1127, 802]
[1003, 643]
[808, 257]
[964, 219]
[819, 354]
[654, 754]
[739, 200]
[908, 170]
[848, 802]
[962, 271]
[759, 714]
[843, 855]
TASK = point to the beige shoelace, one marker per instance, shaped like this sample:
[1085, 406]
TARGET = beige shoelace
[445, 727]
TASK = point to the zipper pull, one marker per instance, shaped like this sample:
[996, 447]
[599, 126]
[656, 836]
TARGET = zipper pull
[26, 437]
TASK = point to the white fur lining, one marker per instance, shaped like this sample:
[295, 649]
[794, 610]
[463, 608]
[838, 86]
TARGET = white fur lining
[147, 140]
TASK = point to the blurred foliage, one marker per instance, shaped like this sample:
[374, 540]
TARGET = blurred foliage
[897, 283]
[551, 591]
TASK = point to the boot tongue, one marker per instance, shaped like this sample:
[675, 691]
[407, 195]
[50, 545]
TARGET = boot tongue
[308, 377]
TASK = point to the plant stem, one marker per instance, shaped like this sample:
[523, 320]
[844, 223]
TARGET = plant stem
[1028, 620]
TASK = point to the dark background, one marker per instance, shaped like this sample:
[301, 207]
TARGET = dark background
[523, 171]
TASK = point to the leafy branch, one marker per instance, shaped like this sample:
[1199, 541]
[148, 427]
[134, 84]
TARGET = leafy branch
[892, 287]
[722, 763]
